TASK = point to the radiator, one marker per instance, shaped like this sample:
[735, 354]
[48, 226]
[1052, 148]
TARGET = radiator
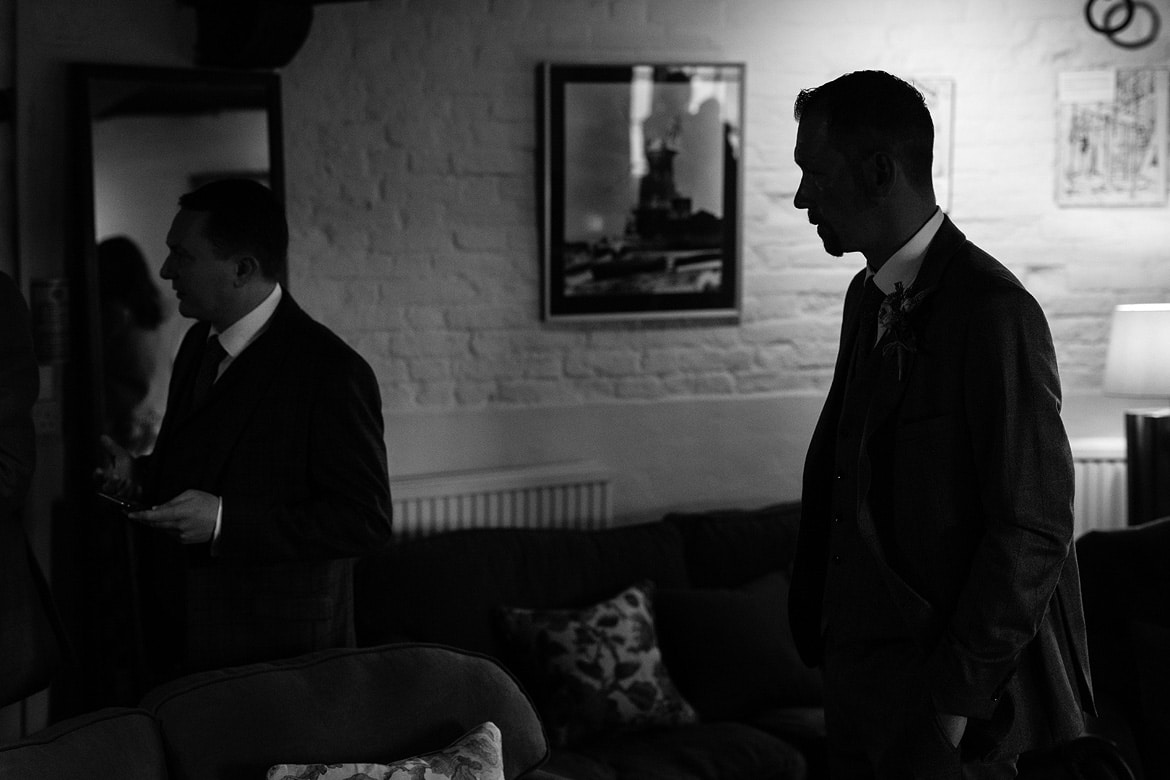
[1099, 469]
[558, 495]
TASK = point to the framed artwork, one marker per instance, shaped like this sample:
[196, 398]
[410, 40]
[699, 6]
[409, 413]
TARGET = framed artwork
[1112, 137]
[642, 173]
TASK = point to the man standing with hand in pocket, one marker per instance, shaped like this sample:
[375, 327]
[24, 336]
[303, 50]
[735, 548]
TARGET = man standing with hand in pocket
[935, 580]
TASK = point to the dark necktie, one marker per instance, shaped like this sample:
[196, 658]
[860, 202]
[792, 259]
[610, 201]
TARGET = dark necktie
[871, 302]
[213, 355]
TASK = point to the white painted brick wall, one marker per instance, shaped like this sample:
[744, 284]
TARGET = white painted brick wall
[411, 135]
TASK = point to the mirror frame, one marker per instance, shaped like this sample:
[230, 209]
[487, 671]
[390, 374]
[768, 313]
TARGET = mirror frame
[87, 352]
[77, 518]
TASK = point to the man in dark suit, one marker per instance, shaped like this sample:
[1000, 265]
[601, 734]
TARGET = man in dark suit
[934, 580]
[269, 474]
[31, 646]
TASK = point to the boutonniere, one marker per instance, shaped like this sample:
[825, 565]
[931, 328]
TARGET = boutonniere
[894, 317]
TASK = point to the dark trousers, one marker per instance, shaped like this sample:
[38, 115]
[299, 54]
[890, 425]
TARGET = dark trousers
[881, 723]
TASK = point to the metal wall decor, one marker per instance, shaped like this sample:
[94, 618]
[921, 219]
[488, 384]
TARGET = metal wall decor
[1130, 24]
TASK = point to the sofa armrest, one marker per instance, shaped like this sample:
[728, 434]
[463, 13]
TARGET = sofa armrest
[119, 742]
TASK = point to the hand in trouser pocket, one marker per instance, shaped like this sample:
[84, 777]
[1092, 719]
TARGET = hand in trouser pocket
[924, 752]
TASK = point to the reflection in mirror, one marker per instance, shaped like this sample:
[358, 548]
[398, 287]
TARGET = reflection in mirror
[144, 136]
[156, 134]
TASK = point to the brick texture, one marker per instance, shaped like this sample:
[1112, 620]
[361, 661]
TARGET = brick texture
[412, 132]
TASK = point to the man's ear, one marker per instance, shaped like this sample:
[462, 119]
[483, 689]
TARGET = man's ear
[247, 268]
[880, 172]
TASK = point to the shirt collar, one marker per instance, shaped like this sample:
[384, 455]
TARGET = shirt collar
[903, 265]
[237, 336]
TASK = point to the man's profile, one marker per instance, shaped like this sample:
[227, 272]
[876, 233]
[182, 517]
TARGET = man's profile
[269, 473]
[935, 582]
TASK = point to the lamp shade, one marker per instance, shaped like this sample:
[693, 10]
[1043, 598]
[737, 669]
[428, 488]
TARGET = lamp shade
[1138, 360]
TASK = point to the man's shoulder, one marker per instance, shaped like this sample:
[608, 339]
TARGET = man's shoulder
[311, 335]
[988, 290]
[977, 269]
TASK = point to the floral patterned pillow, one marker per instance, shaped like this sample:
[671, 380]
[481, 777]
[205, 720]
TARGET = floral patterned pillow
[477, 755]
[596, 669]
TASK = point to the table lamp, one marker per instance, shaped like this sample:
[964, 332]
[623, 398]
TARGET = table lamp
[1138, 365]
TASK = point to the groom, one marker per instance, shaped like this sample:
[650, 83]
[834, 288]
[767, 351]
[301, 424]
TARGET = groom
[935, 582]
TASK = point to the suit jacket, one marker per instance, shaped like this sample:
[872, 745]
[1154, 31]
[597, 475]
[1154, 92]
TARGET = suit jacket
[31, 643]
[291, 438]
[962, 506]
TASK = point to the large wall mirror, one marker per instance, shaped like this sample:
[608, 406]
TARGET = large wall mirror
[143, 137]
[153, 134]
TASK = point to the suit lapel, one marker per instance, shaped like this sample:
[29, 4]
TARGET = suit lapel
[256, 366]
[887, 393]
[233, 399]
[850, 329]
[186, 363]
[888, 386]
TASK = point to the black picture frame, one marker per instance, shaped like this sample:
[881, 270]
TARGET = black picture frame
[642, 186]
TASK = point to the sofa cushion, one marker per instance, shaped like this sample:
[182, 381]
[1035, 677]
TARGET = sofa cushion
[708, 751]
[474, 756]
[332, 706]
[444, 588]
[117, 742]
[730, 650]
[597, 669]
[728, 548]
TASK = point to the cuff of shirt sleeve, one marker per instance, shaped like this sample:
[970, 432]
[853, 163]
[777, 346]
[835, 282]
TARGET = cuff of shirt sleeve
[218, 524]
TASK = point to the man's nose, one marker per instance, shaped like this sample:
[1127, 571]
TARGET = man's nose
[800, 200]
[165, 271]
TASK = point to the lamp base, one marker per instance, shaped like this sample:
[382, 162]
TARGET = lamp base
[1147, 436]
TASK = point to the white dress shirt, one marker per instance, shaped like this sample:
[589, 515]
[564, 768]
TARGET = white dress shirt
[903, 265]
[235, 339]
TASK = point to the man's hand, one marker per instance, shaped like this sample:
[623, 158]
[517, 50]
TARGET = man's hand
[115, 475]
[188, 518]
[952, 727]
[928, 746]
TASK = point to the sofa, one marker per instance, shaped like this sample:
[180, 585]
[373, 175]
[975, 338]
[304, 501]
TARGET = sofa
[400, 705]
[723, 695]
[440, 656]
[1125, 584]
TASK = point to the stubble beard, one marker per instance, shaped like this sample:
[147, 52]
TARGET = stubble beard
[831, 240]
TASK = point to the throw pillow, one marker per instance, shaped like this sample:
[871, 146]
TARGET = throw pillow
[731, 651]
[477, 755]
[596, 669]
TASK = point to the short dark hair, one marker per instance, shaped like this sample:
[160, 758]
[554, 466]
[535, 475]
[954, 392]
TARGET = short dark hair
[871, 110]
[244, 216]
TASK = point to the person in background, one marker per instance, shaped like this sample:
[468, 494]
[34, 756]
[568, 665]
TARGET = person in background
[269, 474]
[131, 312]
[935, 582]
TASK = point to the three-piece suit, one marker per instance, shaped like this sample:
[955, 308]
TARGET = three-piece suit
[934, 568]
[291, 438]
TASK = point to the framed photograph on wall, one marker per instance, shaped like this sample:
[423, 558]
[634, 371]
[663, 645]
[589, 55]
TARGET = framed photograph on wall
[642, 173]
